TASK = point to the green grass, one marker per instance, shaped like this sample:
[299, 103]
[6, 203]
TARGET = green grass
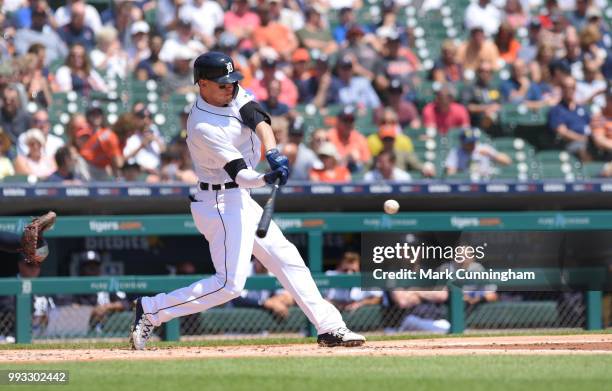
[287, 340]
[455, 373]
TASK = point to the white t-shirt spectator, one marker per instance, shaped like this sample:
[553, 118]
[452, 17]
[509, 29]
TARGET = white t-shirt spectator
[92, 17]
[489, 18]
[115, 66]
[52, 144]
[584, 91]
[479, 162]
[173, 46]
[149, 157]
[205, 18]
[63, 79]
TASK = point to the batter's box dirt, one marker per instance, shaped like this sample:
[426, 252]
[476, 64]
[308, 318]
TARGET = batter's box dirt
[531, 345]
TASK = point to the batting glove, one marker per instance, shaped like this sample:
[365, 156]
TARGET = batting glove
[276, 160]
[272, 176]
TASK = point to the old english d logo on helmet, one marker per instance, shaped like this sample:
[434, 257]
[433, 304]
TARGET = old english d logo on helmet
[215, 66]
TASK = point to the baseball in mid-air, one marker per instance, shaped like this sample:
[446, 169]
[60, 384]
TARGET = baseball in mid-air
[391, 207]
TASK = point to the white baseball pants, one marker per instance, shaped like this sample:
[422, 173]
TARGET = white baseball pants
[228, 219]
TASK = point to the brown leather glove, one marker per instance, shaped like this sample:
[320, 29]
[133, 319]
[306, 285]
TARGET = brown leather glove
[33, 247]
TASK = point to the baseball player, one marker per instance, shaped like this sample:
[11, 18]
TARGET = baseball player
[225, 130]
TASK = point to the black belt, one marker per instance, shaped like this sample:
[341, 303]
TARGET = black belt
[224, 186]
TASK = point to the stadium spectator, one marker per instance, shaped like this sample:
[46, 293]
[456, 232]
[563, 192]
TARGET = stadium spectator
[600, 143]
[350, 145]
[535, 35]
[108, 56]
[355, 90]
[272, 105]
[514, 14]
[346, 18]
[76, 31]
[35, 163]
[63, 15]
[361, 49]
[477, 49]
[322, 87]
[331, 171]
[22, 17]
[300, 73]
[179, 40]
[590, 51]
[289, 13]
[139, 49]
[483, 98]
[573, 54]
[304, 159]
[354, 298]
[591, 91]
[595, 19]
[385, 169]
[507, 45]
[484, 15]
[103, 150]
[146, 145]
[288, 91]
[519, 89]
[474, 157]
[443, 113]
[6, 166]
[315, 35]
[152, 67]
[42, 33]
[78, 75]
[127, 15]
[179, 79]
[447, 68]
[570, 121]
[205, 16]
[40, 120]
[578, 17]
[406, 111]
[66, 164]
[274, 34]
[79, 133]
[317, 138]
[397, 63]
[241, 21]
[36, 85]
[13, 118]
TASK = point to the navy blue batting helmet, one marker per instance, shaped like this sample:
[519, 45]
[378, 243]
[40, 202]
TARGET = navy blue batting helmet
[215, 66]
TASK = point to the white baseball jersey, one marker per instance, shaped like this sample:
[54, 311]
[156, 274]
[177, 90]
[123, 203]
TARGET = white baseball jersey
[218, 135]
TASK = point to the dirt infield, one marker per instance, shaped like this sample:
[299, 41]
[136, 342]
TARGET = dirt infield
[540, 345]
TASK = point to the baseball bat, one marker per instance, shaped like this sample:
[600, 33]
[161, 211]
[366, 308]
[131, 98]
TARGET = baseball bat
[268, 210]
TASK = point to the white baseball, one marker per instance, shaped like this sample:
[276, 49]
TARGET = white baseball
[391, 207]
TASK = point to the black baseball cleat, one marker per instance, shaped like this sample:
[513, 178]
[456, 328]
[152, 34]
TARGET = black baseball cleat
[141, 329]
[340, 337]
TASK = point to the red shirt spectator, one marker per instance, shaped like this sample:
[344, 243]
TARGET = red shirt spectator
[444, 114]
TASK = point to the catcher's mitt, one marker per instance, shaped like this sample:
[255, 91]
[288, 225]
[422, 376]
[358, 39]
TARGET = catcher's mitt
[33, 247]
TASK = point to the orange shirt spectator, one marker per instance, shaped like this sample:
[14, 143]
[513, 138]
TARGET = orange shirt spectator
[476, 50]
[444, 114]
[351, 146]
[331, 171]
[507, 45]
[274, 34]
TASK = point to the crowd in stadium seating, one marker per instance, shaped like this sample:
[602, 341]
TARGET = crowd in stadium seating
[357, 90]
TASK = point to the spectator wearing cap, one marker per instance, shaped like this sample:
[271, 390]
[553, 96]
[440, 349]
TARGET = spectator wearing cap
[514, 14]
[389, 138]
[600, 143]
[443, 113]
[315, 34]
[594, 18]
[66, 168]
[152, 67]
[386, 170]
[507, 45]
[205, 16]
[331, 171]
[40, 32]
[570, 121]
[78, 74]
[483, 98]
[104, 149]
[300, 72]
[6, 166]
[397, 62]
[241, 22]
[477, 49]
[40, 120]
[355, 90]
[519, 88]
[79, 133]
[304, 158]
[351, 146]
[483, 14]
[473, 156]
[591, 91]
[76, 31]
[360, 47]
[63, 15]
[447, 68]
[13, 118]
[406, 111]
[179, 79]
[269, 72]
[274, 34]
[108, 56]
[35, 163]
[139, 49]
[182, 38]
[535, 35]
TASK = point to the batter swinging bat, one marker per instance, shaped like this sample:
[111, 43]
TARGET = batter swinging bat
[268, 209]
